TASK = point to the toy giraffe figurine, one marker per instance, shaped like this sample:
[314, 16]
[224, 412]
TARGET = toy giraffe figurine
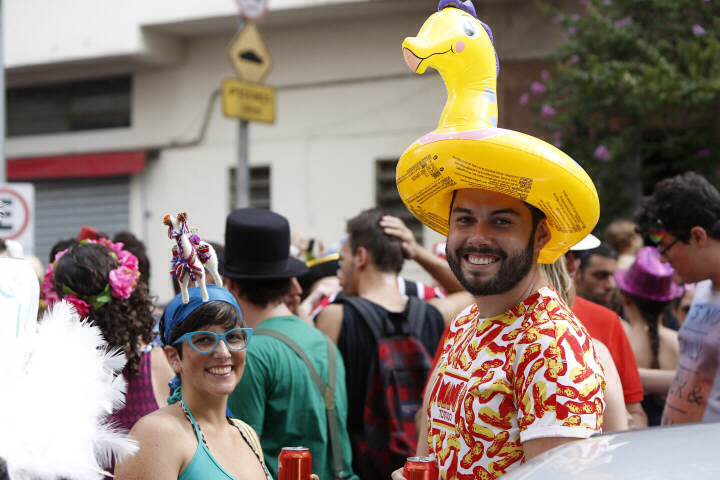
[191, 257]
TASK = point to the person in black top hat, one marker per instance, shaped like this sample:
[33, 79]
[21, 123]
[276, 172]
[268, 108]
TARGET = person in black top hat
[278, 395]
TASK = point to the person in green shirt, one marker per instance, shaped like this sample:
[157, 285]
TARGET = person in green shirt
[293, 390]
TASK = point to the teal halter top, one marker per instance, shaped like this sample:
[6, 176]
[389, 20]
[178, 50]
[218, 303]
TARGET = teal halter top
[203, 465]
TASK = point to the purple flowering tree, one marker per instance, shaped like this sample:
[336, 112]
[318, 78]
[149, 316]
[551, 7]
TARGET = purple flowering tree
[634, 95]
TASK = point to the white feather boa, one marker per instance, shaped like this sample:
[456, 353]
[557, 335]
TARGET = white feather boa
[58, 387]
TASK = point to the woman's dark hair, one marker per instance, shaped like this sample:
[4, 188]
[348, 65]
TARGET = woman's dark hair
[59, 246]
[208, 315]
[133, 245]
[651, 311]
[125, 324]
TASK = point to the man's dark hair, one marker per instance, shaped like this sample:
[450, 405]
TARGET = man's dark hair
[208, 315]
[364, 231]
[680, 203]
[262, 293]
[135, 246]
[602, 250]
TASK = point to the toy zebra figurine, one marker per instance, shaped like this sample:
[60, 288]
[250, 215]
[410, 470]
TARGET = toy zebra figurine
[191, 257]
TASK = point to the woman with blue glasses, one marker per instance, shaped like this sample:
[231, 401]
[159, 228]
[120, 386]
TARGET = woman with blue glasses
[193, 438]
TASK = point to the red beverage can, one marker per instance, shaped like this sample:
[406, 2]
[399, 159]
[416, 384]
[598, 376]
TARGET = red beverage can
[421, 468]
[295, 463]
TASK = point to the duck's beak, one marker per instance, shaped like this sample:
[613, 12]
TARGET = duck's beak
[415, 51]
[412, 60]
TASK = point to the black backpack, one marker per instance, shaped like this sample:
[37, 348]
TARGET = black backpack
[397, 375]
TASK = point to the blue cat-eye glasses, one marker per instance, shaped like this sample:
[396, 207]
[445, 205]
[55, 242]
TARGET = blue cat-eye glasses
[205, 343]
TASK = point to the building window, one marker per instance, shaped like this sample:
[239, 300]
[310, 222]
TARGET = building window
[259, 187]
[69, 106]
[388, 199]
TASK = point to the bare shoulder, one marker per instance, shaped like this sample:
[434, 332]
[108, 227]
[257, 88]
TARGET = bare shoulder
[669, 338]
[668, 333]
[160, 423]
[166, 446]
[158, 358]
[330, 315]
[332, 312]
[329, 321]
[601, 350]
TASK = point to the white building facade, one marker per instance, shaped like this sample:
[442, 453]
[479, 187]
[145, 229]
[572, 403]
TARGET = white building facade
[347, 107]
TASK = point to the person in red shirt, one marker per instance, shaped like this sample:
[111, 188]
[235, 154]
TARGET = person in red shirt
[604, 324]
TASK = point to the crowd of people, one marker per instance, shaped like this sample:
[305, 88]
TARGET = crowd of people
[532, 332]
[348, 364]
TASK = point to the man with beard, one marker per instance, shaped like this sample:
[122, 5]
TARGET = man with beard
[517, 375]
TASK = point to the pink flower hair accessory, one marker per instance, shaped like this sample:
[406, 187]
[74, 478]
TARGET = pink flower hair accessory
[81, 306]
[122, 281]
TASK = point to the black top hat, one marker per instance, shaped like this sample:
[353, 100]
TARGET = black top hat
[257, 245]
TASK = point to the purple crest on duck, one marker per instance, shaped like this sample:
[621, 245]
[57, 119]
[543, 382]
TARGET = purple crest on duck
[468, 150]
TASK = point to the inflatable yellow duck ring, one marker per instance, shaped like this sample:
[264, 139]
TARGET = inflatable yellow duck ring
[467, 150]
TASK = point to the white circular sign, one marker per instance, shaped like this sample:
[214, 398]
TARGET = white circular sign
[14, 214]
[252, 9]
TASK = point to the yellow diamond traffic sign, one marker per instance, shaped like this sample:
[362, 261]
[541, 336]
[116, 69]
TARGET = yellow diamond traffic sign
[249, 55]
[248, 101]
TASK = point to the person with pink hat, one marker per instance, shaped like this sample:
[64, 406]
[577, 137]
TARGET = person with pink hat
[648, 288]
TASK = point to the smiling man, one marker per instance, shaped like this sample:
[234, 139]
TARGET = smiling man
[517, 374]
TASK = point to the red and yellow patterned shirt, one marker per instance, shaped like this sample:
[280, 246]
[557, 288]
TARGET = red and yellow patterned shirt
[528, 373]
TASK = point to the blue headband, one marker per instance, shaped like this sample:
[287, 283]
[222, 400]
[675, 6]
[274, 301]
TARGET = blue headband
[177, 312]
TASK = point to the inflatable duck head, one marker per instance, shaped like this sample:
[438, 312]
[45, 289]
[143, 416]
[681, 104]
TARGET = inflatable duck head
[445, 43]
[467, 150]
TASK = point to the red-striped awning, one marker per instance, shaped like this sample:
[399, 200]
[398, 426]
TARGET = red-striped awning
[91, 165]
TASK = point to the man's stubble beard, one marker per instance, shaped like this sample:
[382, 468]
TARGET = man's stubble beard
[512, 270]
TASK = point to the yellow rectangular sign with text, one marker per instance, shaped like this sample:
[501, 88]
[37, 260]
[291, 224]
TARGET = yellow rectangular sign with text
[248, 101]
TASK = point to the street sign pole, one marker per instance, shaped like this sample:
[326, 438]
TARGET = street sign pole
[242, 169]
[247, 101]
[3, 162]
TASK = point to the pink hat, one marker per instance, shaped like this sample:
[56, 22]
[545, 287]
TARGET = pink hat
[648, 278]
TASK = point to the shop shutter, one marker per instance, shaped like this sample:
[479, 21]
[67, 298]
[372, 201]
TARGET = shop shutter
[62, 207]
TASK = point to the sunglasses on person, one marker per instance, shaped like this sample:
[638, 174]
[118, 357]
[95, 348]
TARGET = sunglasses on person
[654, 236]
[205, 343]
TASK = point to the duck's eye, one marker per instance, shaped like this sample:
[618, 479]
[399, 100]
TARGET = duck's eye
[470, 29]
